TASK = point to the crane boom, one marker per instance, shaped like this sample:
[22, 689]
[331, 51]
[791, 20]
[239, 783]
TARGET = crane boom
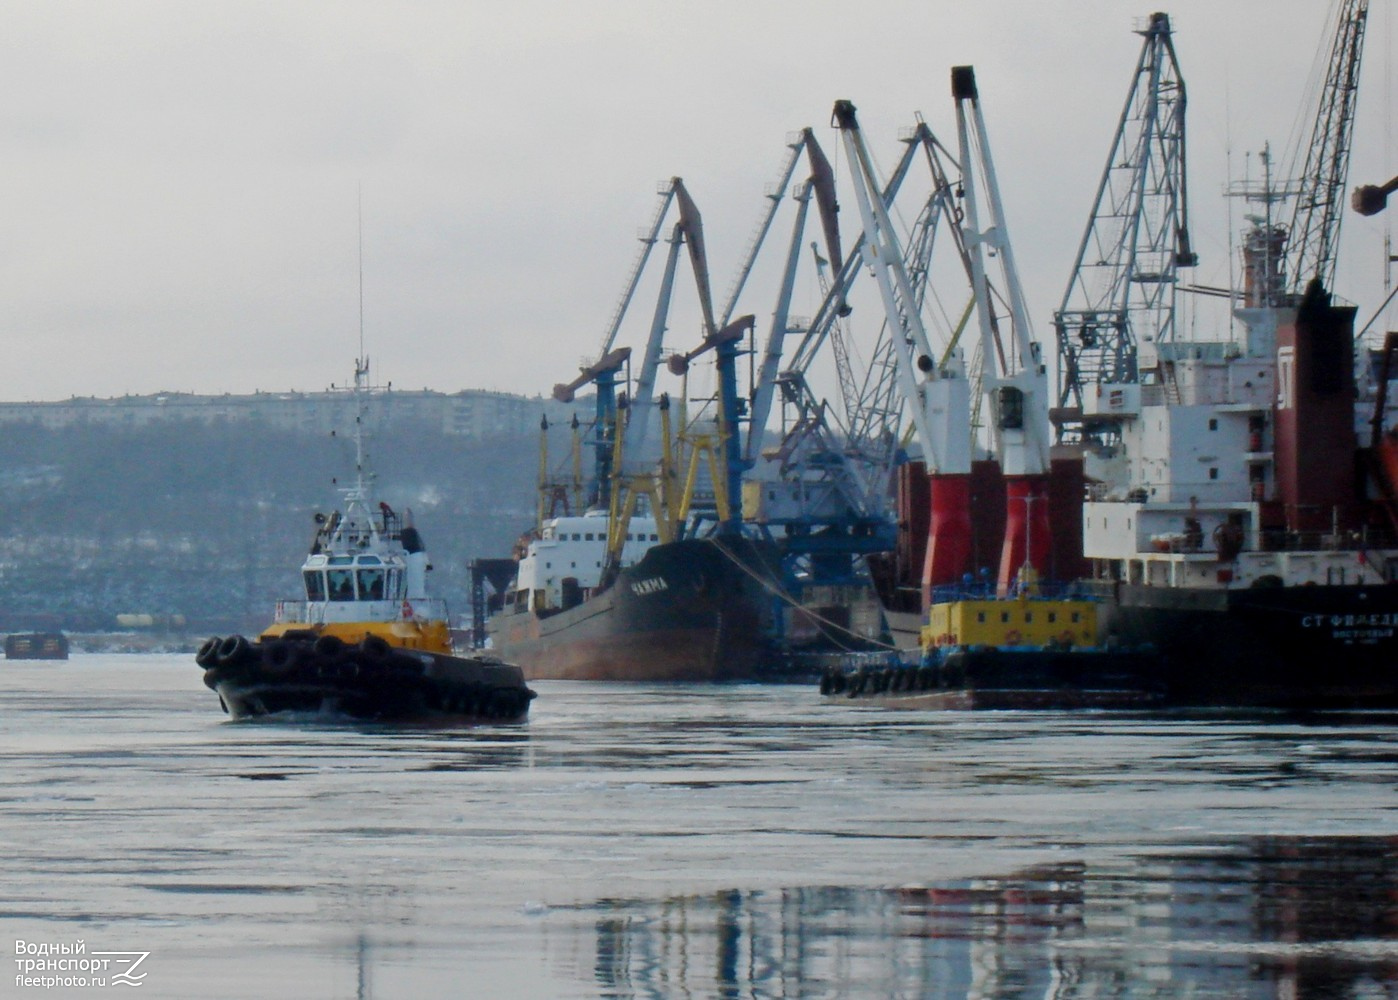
[938, 396]
[822, 183]
[1315, 222]
[1017, 373]
[648, 241]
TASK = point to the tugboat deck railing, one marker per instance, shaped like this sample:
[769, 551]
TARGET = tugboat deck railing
[321, 612]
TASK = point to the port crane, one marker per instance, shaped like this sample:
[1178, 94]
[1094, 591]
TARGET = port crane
[631, 464]
[631, 468]
[1014, 377]
[831, 476]
[938, 396]
[821, 186]
[1121, 293]
[613, 363]
[1314, 233]
[873, 406]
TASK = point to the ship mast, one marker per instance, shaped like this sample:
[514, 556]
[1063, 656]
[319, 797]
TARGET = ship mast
[361, 386]
[363, 477]
[357, 496]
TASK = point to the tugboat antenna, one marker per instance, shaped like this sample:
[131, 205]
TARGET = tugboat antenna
[361, 269]
[361, 367]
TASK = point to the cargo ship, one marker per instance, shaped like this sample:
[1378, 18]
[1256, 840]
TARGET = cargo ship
[1242, 514]
[695, 609]
[1252, 538]
[1238, 497]
[658, 581]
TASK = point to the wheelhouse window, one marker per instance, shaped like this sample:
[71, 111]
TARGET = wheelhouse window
[371, 584]
[315, 584]
[340, 584]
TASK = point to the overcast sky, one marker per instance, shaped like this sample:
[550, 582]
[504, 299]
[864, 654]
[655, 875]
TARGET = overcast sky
[180, 179]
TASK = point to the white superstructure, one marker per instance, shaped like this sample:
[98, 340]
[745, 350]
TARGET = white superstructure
[574, 549]
[1190, 497]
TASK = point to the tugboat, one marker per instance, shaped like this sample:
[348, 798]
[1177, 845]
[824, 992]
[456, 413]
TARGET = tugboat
[367, 641]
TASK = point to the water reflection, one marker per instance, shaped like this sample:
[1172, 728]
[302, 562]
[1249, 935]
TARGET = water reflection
[1266, 918]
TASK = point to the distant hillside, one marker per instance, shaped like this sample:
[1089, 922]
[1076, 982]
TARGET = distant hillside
[210, 521]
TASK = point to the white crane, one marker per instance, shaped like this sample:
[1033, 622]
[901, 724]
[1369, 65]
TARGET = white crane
[938, 395]
[1014, 377]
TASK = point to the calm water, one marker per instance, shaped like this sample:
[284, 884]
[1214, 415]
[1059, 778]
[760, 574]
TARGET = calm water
[636, 841]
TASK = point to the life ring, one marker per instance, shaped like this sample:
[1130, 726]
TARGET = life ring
[1012, 637]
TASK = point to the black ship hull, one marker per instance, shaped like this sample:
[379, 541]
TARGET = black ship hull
[1287, 647]
[697, 610]
[971, 677]
[371, 680]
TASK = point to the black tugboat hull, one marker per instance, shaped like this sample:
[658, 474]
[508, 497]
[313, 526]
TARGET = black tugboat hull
[1283, 647]
[366, 681]
[695, 610]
